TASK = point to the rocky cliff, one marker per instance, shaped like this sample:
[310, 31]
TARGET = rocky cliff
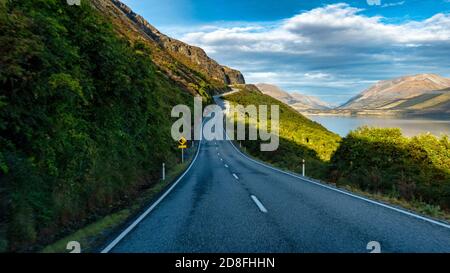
[188, 65]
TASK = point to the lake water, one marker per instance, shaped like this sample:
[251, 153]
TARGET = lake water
[342, 125]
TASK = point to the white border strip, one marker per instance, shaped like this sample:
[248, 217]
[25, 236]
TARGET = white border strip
[343, 192]
[152, 207]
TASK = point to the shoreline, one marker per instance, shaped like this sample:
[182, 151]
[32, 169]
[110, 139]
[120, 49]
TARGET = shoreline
[376, 113]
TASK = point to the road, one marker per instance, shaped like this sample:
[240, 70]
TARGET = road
[229, 203]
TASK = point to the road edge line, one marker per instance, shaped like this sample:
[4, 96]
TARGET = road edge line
[417, 216]
[124, 233]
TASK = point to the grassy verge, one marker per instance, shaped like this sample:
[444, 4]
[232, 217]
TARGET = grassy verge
[94, 235]
[415, 206]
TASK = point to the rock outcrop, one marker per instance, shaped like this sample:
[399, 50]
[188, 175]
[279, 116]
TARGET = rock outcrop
[183, 62]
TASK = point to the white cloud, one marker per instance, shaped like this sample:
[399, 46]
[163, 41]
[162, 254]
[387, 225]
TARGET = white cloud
[334, 44]
[401, 3]
[341, 24]
[318, 75]
[262, 77]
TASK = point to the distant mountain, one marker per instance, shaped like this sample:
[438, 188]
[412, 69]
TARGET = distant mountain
[187, 65]
[295, 100]
[420, 93]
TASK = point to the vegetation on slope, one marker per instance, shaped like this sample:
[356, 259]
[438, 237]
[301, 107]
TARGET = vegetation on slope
[300, 138]
[414, 172]
[186, 65]
[384, 161]
[83, 119]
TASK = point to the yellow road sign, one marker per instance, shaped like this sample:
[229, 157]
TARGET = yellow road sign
[182, 143]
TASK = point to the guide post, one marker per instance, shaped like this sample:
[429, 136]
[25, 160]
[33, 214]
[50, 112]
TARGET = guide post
[303, 167]
[182, 145]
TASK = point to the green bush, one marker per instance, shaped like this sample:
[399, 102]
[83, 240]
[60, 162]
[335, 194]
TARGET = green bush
[383, 160]
[84, 119]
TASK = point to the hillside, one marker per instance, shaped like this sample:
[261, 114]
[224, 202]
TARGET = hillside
[187, 65]
[425, 93]
[300, 138]
[378, 162]
[297, 101]
[85, 103]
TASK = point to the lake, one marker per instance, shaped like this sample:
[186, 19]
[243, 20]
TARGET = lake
[342, 125]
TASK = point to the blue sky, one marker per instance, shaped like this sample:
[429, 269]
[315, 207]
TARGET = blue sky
[331, 49]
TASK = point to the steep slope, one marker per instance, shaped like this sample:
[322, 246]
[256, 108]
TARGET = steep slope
[84, 117]
[187, 65]
[401, 93]
[436, 103]
[300, 138]
[295, 100]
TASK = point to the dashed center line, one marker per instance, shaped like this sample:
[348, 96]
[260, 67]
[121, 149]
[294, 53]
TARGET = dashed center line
[221, 159]
[226, 166]
[259, 204]
[235, 176]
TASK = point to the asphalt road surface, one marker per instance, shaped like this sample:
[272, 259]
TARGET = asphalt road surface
[229, 203]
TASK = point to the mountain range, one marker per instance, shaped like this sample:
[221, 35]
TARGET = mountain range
[193, 70]
[423, 92]
[296, 100]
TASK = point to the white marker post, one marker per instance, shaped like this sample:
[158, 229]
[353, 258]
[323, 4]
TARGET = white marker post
[303, 168]
[163, 171]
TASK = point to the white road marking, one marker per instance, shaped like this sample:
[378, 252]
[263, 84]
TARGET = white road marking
[235, 176]
[226, 166]
[153, 206]
[221, 159]
[259, 204]
[342, 191]
[218, 153]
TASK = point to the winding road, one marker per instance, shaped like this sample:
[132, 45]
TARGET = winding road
[228, 202]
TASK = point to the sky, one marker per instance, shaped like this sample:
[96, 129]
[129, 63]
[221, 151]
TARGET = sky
[329, 49]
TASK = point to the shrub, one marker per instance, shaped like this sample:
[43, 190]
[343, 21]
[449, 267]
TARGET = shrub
[417, 168]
